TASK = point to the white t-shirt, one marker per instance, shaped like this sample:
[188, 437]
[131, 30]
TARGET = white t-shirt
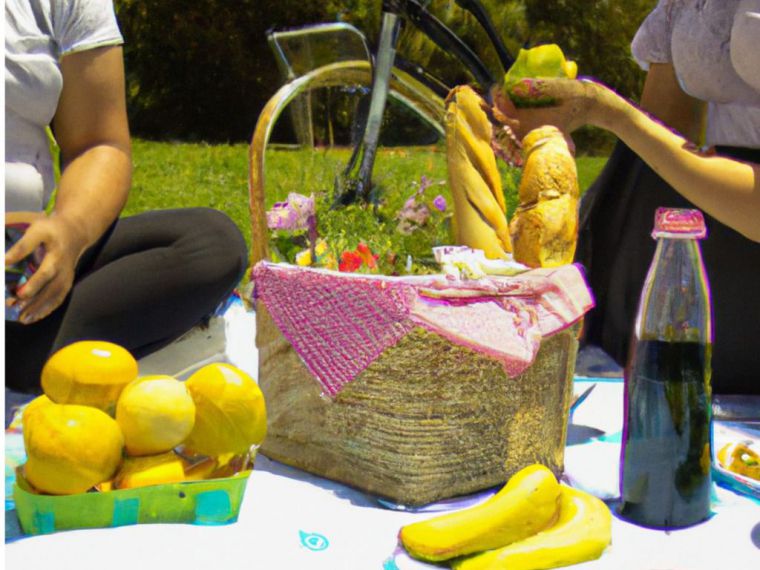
[37, 34]
[714, 46]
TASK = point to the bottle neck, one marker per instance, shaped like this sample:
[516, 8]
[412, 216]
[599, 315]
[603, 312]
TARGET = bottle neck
[675, 301]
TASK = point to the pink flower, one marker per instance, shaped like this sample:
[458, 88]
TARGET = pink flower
[415, 214]
[419, 215]
[411, 216]
[293, 214]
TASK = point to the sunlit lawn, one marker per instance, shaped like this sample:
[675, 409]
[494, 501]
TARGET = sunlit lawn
[172, 175]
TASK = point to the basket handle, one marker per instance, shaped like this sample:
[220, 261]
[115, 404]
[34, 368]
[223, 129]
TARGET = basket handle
[403, 87]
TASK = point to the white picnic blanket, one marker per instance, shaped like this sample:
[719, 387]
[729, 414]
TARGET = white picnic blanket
[290, 519]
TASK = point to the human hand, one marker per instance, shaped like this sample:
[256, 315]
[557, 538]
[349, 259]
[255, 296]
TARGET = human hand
[51, 282]
[564, 103]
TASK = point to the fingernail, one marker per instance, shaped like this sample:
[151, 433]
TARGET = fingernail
[27, 319]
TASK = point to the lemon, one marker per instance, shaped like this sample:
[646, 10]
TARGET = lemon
[90, 373]
[571, 69]
[543, 61]
[28, 411]
[230, 414]
[70, 448]
[155, 413]
[150, 470]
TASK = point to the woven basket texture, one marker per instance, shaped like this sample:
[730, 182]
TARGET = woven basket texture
[427, 420]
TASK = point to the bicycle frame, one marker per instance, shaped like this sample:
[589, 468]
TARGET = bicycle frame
[355, 183]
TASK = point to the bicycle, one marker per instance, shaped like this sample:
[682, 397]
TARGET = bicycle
[388, 75]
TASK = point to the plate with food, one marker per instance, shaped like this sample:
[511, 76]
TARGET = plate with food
[736, 461]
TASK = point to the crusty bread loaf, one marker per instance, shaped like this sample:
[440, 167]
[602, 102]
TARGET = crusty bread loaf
[544, 228]
[480, 219]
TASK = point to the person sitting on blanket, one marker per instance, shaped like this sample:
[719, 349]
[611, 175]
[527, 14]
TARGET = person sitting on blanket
[139, 281]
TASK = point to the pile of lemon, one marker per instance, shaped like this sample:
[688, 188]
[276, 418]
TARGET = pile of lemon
[101, 426]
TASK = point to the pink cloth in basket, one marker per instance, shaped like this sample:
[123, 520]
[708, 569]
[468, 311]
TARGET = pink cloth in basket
[339, 323]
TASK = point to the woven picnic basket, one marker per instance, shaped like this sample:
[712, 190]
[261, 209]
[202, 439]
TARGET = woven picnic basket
[426, 420]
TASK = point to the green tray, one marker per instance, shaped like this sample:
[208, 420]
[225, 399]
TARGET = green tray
[205, 502]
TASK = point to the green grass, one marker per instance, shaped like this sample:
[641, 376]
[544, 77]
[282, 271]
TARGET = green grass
[174, 175]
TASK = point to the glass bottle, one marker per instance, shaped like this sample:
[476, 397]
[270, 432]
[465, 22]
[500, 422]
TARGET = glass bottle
[665, 457]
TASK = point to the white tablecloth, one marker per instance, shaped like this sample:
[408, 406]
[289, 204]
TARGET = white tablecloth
[292, 520]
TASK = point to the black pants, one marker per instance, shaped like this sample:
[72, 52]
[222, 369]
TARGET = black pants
[615, 245]
[149, 279]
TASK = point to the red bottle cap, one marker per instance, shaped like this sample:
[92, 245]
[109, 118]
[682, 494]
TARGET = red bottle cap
[679, 223]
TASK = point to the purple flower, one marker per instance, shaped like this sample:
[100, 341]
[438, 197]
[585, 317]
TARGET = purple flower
[424, 183]
[292, 215]
[304, 205]
[281, 217]
[415, 214]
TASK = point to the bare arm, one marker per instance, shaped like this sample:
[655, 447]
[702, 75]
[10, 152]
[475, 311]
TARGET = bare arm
[729, 190]
[91, 128]
[92, 131]
[664, 99]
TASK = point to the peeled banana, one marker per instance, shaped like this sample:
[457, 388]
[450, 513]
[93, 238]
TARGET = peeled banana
[544, 228]
[480, 220]
[524, 506]
[581, 533]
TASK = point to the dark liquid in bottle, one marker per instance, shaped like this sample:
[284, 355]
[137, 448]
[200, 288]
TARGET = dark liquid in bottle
[665, 458]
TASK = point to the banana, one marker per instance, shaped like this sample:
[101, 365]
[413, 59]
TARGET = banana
[480, 220]
[544, 228]
[582, 532]
[524, 506]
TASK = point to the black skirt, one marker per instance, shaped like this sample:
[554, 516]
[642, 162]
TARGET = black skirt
[616, 248]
